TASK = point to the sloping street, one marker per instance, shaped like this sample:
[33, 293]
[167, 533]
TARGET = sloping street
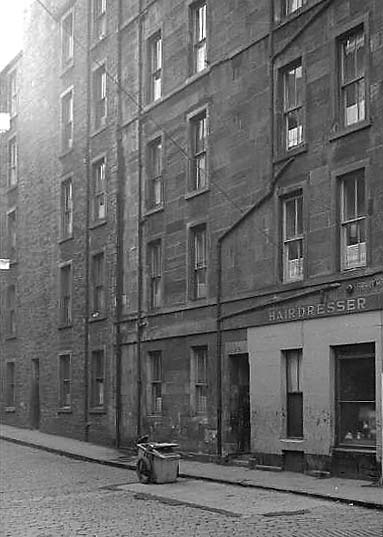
[46, 495]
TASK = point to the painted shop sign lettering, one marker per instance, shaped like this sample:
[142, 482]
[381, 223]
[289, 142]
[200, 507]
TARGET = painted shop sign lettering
[309, 311]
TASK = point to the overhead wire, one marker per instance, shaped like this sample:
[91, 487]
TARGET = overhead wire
[141, 108]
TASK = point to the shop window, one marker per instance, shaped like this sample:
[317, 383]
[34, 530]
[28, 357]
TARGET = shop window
[199, 379]
[155, 67]
[293, 238]
[355, 398]
[10, 384]
[294, 393]
[64, 380]
[353, 74]
[155, 372]
[293, 110]
[199, 33]
[353, 220]
[155, 273]
[97, 379]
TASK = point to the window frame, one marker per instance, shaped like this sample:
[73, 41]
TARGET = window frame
[66, 208]
[296, 195]
[12, 151]
[199, 41]
[11, 298]
[195, 183]
[65, 295]
[98, 284]
[286, 12]
[294, 394]
[153, 177]
[351, 352]
[67, 123]
[98, 193]
[10, 384]
[64, 405]
[196, 267]
[99, 95]
[155, 273]
[287, 110]
[352, 175]
[199, 387]
[155, 68]
[97, 403]
[13, 93]
[155, 384]
[99, 20]
[12, 233]
[67, 40]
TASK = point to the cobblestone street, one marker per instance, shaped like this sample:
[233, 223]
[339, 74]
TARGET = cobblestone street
[45, 495]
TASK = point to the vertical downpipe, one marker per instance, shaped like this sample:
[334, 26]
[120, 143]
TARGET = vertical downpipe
[219, 349]
[139, 217]
[87, 222]
[119, 235]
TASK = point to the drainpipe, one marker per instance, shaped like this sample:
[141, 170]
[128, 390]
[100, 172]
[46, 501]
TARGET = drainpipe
[269, 193]
[87, 222]
[119, 236]
[140, 223]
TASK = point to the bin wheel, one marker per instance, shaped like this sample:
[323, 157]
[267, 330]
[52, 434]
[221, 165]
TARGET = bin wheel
[143, 471]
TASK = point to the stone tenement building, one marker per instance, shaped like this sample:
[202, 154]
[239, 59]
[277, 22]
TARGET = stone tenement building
[192, 205]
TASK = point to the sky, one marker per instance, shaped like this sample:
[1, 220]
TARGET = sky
[11, 17]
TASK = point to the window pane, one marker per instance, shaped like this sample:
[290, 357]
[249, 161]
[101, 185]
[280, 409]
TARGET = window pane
[357, 379]
[295, 415]
[293, 369]
[294, 128]
[357, 424]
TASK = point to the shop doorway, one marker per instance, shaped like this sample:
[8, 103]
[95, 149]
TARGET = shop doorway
[35, 394]
[240, 401]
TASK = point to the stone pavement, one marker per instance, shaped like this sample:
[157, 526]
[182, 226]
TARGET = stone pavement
[345, 490]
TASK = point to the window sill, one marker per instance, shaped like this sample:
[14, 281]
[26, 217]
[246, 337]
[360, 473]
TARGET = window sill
[154, 210]
[194, 193]
[96, 42]
[95, 317]
[64, 410]
[66, 239]
[12, 188]
[292, 440]
[154, 416]
[66, 153]
[286, 19]
[99, 130]
[97, 224]
[355, 449]
[291, 153]
[344, 131]
[195, 76]
[97, 410]
[67, 67]
[65, 326]
[359, 268]
[10, 409]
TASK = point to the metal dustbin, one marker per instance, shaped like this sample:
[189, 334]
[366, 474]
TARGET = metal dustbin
[157, 462]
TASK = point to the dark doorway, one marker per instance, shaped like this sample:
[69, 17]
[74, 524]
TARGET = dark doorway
[240, 401]
[35, 394]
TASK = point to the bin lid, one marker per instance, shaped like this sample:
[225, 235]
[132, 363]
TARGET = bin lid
[163, 445]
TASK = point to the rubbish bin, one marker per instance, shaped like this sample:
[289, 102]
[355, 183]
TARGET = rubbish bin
[157, 462]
